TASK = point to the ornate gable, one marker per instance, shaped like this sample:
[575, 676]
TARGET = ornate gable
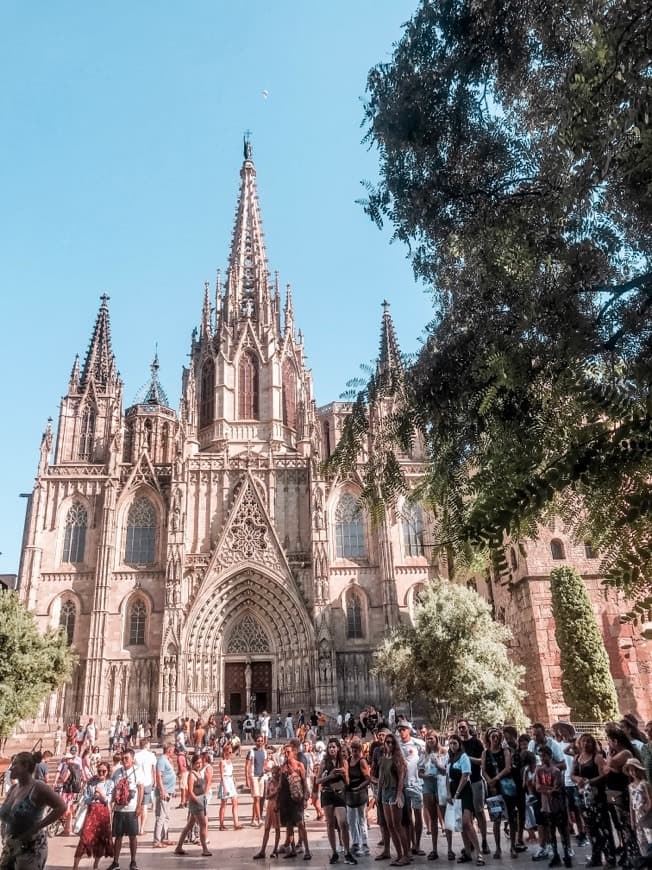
[248, 535]
[143, 474]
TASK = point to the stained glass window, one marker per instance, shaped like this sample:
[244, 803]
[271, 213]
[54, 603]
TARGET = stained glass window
[74, 540]
[248, 387]
[141, 532]
[349, 529]
[67, 619]
[137, 620]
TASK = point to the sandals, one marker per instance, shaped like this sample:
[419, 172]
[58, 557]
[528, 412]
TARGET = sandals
[207, 854]
[479, 861]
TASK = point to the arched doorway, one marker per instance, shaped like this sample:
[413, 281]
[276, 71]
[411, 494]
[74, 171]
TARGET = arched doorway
[248, 629]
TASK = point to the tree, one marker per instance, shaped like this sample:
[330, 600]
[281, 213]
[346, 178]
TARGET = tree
[454, 655]
[586, 678]
[31, 664]
[516, 162]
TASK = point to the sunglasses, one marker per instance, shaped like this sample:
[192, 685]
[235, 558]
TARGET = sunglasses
[390, 742]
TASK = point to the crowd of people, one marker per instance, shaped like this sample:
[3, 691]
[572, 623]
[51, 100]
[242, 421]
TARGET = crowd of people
[547, 792]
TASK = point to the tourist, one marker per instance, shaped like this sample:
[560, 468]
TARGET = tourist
[255, 777]
[227, 790]
[497, 769]
[460, 787]
[95, 838]
[549, 782]
[146, 761]
[166, 781]
[391, 779]
[182, 766]
[541, 739]
[41, 765]
[588, 775]
[333, 778]
[289, 726]
[58, 740]
[265, 726]
[70, 779]
[473, 749]
[533, 802]
[271, 814]
[278, 724]
[432, 769]
[292, 796]
[23, 819]
[640, 802]
[617, 782]
[127, 808]
[357, 794]
[412, 787]
[566, 737]
[638, 738]
[313, 762]
[517, 745]
[196, 808]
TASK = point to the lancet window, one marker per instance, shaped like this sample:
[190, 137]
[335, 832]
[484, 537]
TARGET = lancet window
[137, 623]
[349, 529]
[248, 377]
[74, 540]
[207, 394]
[354, 616]
[289, 395]
[87, 434]
[67, 619]
[412, 525]
[141, 532]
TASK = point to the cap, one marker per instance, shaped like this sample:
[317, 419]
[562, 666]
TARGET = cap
[402, 725]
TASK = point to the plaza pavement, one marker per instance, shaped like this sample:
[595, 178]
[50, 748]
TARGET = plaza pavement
[235, 849]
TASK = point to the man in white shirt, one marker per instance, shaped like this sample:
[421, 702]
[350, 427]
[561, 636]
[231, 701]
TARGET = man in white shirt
[413, 789]
[90, 734]
[125, 816]
[146, 762]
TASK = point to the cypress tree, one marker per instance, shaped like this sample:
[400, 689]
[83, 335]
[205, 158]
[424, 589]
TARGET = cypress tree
[586, 681]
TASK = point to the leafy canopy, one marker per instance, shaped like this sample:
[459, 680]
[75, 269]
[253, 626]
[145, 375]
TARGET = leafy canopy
[31, 664]
[516, 162]
[454, 656]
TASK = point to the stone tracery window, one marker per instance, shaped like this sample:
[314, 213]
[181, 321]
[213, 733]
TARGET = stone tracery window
[248, 636]
[137, 621]
[87, 434]
[207, 394]
[74, 540]
[141, 532]
[248, 387]
[349, 529]
[354, 615]
[67, 619]
[412, 526]
[289, 395]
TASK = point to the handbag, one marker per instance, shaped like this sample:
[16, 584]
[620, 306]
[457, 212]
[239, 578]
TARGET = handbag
[496, 808]
[80, 818]
[507, 786]
[442, 789]
[453, 816]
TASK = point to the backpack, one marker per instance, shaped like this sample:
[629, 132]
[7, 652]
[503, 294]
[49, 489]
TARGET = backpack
[122, 793]
[73, 784]
[295, 784]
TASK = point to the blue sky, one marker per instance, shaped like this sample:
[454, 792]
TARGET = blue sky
[121, 147]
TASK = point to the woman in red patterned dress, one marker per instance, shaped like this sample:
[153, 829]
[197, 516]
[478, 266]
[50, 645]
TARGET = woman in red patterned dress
[95, 839]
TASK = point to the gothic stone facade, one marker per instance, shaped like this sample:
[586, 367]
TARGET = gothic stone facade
[200, 561]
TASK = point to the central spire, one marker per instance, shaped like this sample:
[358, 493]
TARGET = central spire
[248, 290]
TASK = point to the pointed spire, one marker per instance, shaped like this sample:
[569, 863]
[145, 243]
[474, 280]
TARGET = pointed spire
[154, 394]
[206, 326]
[74, 375]
[99, 364]
[248, 259]
[389, 358]
[288, 314]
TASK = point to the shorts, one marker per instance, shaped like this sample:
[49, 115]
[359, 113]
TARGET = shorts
[413, 796]
[430, 785]
[197, 809]
[479, 793]
[125, 824]
[332, 799]
[388, 795]
[147, 796]
[258, 786]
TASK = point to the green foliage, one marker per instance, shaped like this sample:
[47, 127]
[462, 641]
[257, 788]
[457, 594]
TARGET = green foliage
[586, 679]
[454, 655]
[516, 162]
[31, 664]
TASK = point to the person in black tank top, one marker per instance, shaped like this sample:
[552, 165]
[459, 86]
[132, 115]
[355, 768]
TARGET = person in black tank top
[356, 795]
[589, 776]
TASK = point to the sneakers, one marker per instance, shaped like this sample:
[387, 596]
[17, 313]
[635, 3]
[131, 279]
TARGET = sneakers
[568, 861]
[365, 851]
[485, 848]
[113, 866]
[541, 854]
[355, 849]
[582, 840]
[349, 859]
[556, 860]
[334, 858]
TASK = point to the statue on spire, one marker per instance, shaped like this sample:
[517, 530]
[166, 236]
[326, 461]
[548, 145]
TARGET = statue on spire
[248, 151]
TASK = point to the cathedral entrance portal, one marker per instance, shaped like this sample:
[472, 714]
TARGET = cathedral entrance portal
[247, 687]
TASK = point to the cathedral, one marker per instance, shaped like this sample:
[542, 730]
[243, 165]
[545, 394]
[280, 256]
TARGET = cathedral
[200, 560]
